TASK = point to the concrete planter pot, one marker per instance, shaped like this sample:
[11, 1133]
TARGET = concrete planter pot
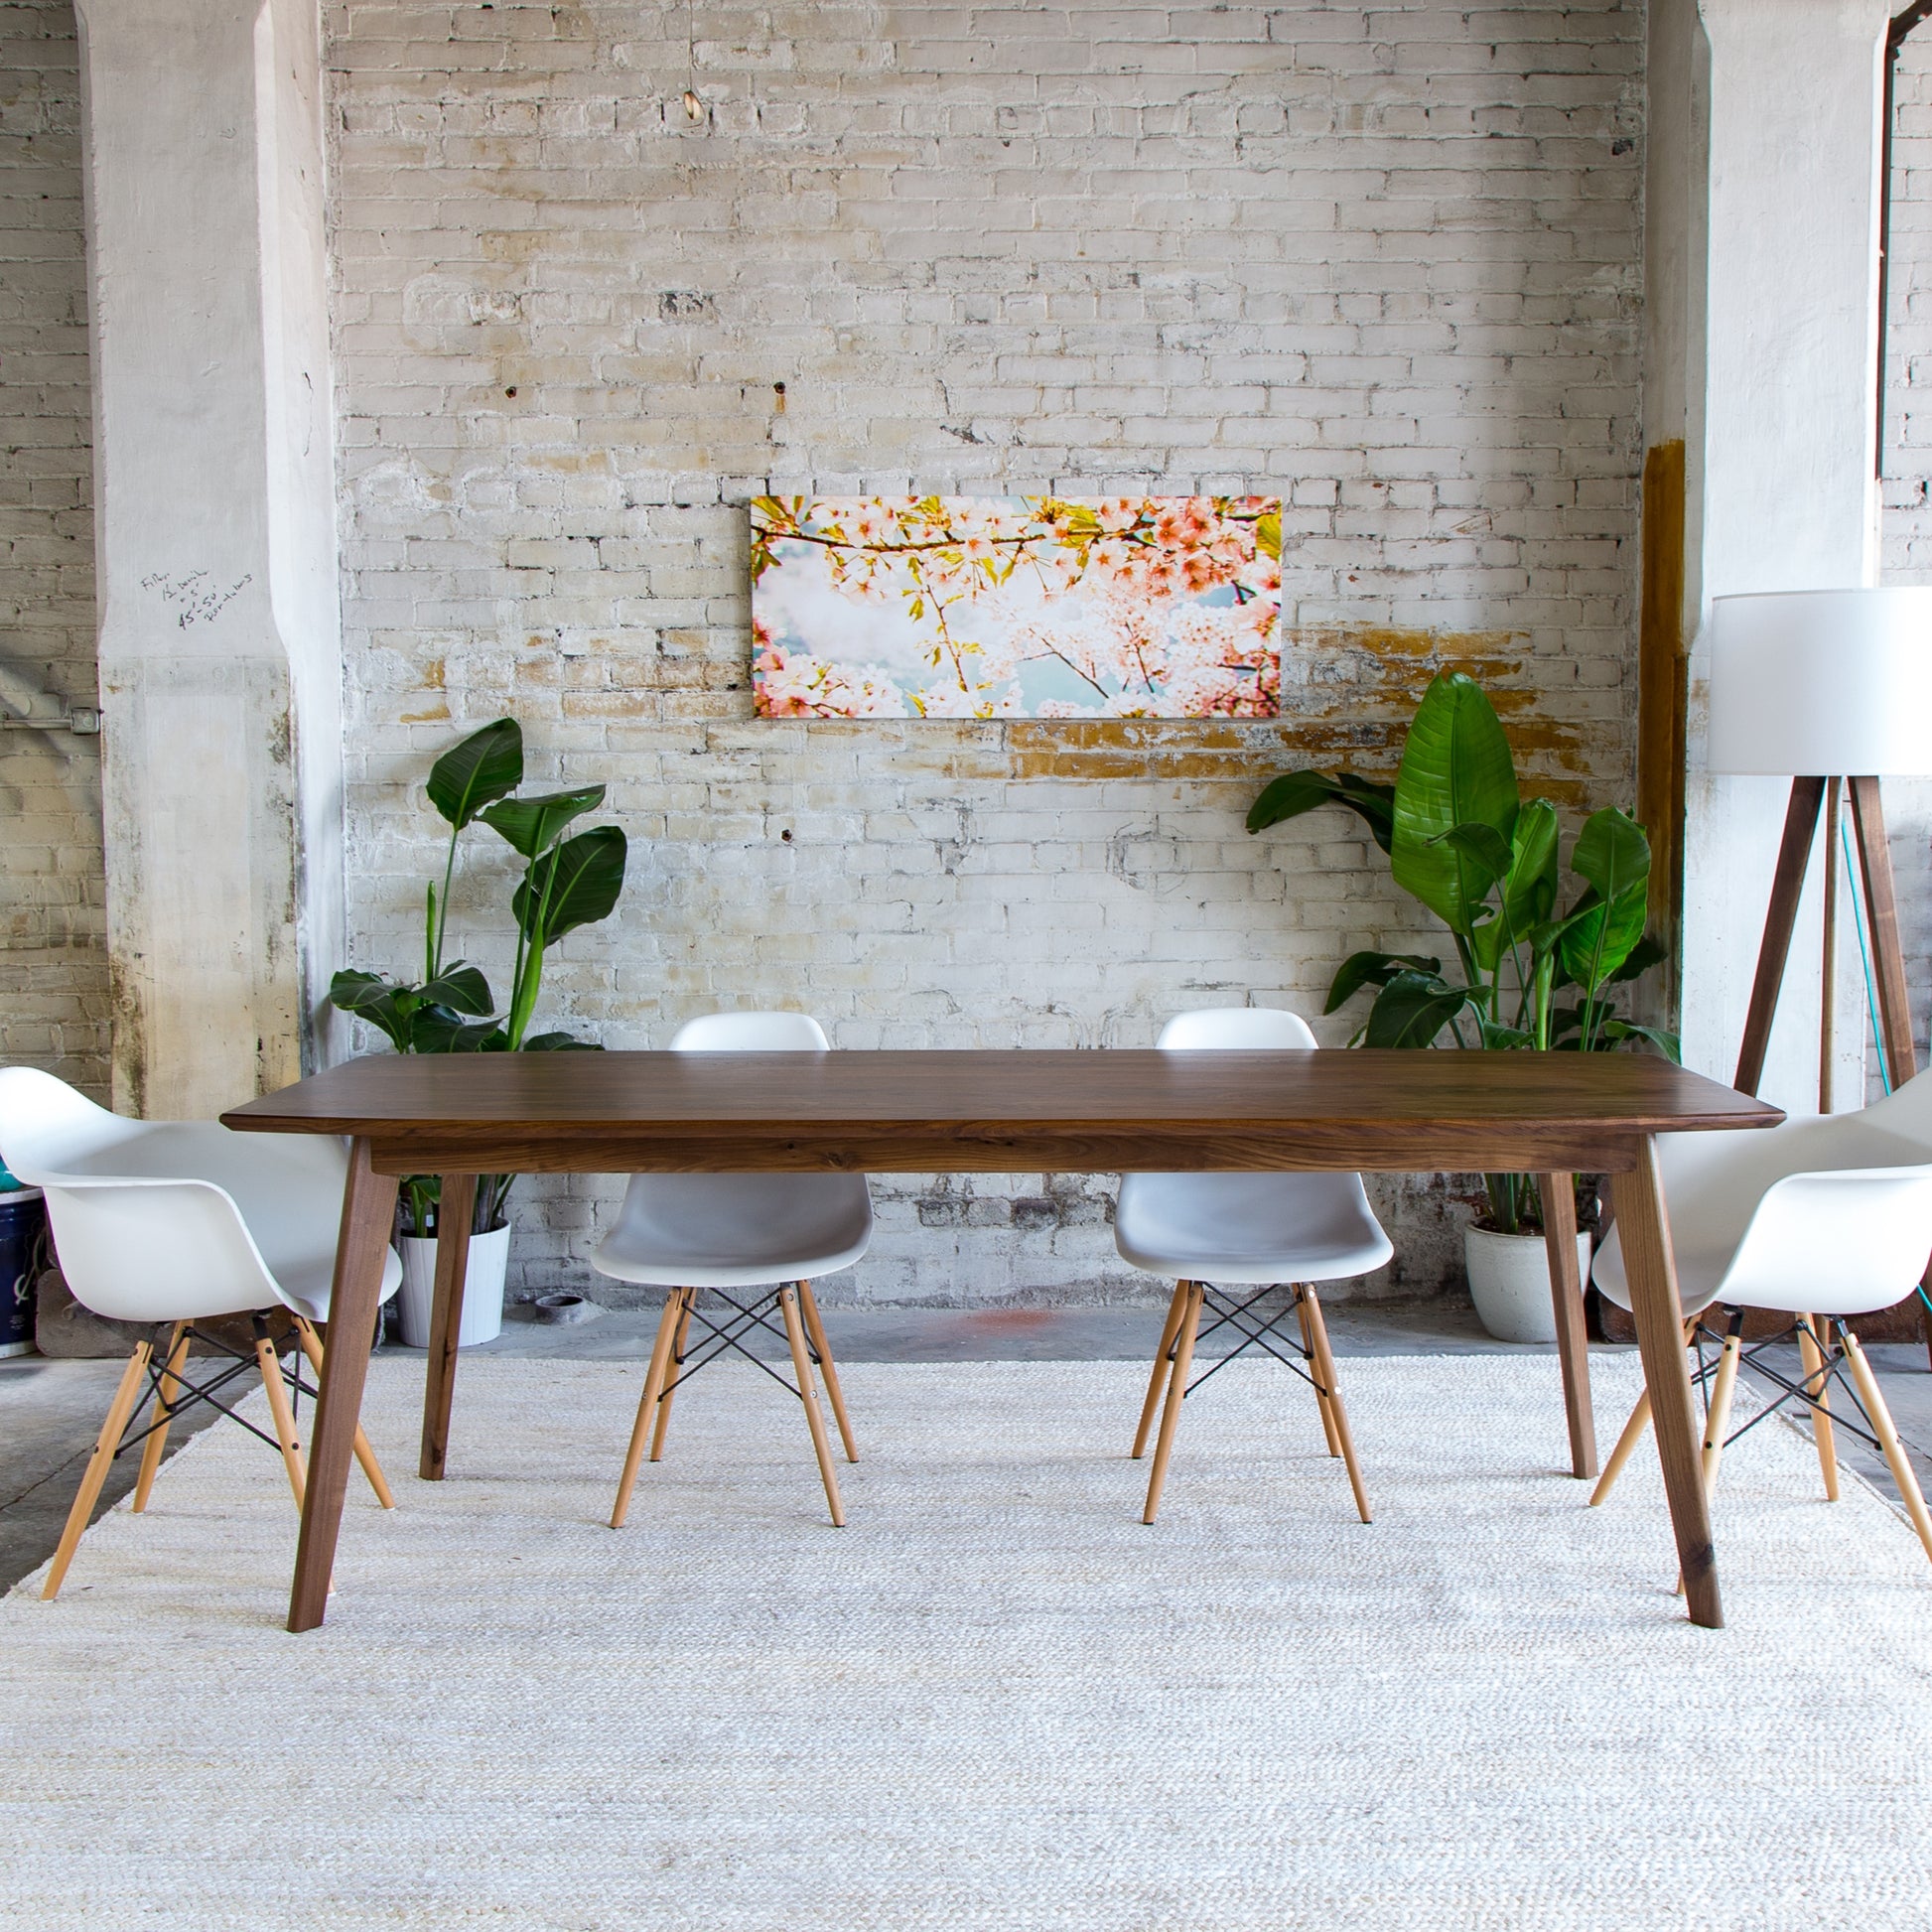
[1509, 1282]
[482, 1288]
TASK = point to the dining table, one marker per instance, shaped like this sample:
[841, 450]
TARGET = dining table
[1002, 1111]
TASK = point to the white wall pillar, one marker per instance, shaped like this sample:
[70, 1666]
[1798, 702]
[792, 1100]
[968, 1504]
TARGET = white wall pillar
[1765, 126]
[220, 658]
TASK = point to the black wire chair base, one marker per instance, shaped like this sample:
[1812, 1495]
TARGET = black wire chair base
[1813, 1390]
[728, 1334]
[1256, 1330]
[163, 1410]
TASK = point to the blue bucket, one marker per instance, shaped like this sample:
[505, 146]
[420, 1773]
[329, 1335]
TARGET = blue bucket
[22, 1220]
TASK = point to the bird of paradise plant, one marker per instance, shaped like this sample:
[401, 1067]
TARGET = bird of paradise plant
[1462, 839]
[565, 884]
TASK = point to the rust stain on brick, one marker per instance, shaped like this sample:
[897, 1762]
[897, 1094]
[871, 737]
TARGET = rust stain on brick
[1347, 693]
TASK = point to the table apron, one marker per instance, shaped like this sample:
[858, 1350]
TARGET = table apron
[922, 1147]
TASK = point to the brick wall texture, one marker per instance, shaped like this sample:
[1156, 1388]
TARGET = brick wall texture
[52, 945]
[1906, 555]
[1383, 263]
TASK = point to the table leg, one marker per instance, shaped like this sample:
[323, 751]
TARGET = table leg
[1573, 1338]
[1652, 1273]
[368, 1220]
[454, 1212]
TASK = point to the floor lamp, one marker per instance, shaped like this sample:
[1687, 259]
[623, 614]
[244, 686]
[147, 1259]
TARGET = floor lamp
[1832, 689]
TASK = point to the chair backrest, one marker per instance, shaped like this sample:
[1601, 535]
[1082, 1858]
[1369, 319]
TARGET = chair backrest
[1258, 1028]
[1839, 1241]
[1820, 1214]
[149, 1216]
[752, 1032]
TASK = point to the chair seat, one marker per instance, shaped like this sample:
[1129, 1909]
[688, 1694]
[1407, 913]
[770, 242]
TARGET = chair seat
[1249, 1227]
[721, 1230]
[307, 1285]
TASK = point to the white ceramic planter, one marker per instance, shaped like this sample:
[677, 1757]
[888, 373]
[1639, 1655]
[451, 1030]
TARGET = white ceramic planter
[483, 1289]
[1509, 1282]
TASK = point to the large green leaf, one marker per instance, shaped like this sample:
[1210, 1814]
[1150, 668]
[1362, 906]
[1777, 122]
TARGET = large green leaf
[576, 884]
[1362, 969]
[560, 1043]
[462, 988]
[486, 765]
[1606, 924]
[385, 1005]
[1411, 1011]
[534, 825]
[1295, 792]
[1530, 886]
[1456, 769]
[435, 1030]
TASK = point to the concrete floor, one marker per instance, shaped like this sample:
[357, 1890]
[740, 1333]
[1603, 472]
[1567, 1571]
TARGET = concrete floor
[49, 1410]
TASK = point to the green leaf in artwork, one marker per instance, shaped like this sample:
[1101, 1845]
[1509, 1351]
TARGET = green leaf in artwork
[1268, 535]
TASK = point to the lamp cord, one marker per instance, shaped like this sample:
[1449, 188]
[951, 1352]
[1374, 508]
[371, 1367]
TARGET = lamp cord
[1864, 958]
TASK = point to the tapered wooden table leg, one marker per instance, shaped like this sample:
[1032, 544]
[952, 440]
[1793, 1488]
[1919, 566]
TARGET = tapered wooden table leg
[369, 1215]
[1652, 1273]
[455, 1208]
[1573, 1336]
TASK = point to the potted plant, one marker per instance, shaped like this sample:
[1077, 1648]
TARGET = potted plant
[1462, 839]
[566, 883]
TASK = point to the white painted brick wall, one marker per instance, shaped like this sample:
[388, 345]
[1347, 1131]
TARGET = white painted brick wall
[53, 950]
[1906, 556]
[1383, 262]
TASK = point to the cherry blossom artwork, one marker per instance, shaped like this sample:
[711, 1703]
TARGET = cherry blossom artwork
[1015, 607]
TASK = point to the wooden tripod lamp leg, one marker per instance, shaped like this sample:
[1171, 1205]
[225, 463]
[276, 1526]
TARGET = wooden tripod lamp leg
[1787, 883]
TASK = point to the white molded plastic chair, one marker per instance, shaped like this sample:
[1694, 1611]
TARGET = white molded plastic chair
[179, 1222]
[732, 1231]
[1819, 1219]
[1257, 1230]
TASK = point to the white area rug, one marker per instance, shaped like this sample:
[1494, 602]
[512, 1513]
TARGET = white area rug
[995, 1700]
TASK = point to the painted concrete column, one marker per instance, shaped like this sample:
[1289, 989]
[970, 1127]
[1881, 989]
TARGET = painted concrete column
[1763, 204]
[220, 657]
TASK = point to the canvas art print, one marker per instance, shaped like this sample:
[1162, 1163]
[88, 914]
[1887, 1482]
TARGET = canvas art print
[1015, 607]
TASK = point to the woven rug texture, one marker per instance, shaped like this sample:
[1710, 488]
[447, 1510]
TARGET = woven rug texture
[996, 1700]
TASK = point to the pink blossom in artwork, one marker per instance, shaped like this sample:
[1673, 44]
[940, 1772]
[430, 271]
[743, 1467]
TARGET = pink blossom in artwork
[1015, 607]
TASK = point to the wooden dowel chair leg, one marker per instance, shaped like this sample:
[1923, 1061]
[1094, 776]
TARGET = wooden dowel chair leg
[1882, 1425]
[311, 1342]
[1818, 1382]
[647, 1405]
[164, 1414]
[270, 1366]
[1325, 1360]
[802, 1364]
[1184, 1357]
[1320, 1387]
[126, 1396]
[1718, 1416]
[1626, 1446]
[815, 1329]
[1633, 1432]
[686, 1297]
[1159, 1373]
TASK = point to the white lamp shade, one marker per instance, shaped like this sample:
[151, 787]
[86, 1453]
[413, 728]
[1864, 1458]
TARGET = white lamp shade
[1822, 683]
